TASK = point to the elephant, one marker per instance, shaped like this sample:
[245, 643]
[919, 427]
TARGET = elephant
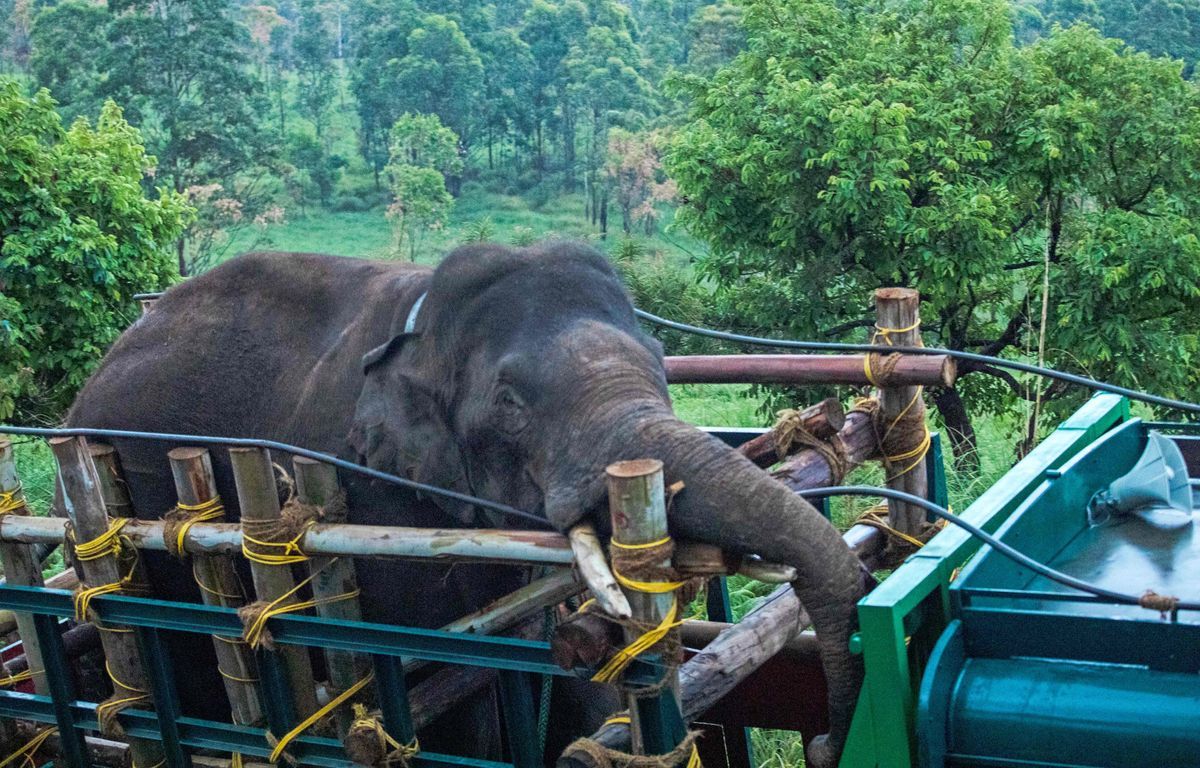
[512, 374]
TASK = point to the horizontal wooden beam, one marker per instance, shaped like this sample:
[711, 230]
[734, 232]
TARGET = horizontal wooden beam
[909, 370]
[466, 544]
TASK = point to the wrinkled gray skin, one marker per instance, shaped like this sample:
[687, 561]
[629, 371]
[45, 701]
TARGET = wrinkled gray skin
[526, 376]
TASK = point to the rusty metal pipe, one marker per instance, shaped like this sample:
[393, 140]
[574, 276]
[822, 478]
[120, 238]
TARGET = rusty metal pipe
[910, 370]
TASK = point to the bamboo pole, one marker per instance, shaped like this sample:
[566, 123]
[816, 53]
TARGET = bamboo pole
[897, 312]
[910, 370]
[112, 484]
[21, 567]
[333, 578]
[219, 585]
[80, 484]
[389, 542]
[637, 506]
[259, 500]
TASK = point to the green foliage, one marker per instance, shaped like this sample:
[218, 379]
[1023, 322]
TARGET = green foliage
[423, 152]
[479, 230]
[80, 238]
[69, 44]
[1159, 27]
[312, 45]
[179, 67]
[943, 157]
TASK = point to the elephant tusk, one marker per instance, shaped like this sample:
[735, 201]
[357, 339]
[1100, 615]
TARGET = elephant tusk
[593, 565]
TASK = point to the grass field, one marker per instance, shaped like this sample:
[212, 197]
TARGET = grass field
[502, 218]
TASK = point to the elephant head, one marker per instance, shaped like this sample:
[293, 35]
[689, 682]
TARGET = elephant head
[525, 374]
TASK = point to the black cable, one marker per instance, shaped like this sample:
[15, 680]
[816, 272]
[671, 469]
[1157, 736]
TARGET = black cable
[998, 362]
[273, 445]
[1004, 549]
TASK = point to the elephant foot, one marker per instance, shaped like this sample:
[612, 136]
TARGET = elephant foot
[821, 753]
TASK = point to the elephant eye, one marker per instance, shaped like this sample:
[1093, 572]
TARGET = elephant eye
[512, 414]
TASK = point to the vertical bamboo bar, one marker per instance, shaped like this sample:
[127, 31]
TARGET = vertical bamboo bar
[219, 585]
[637, 504]
[259, 500]
[333, 577]
[85, 507]
[21, 567]
[112, 485]
[897, 320]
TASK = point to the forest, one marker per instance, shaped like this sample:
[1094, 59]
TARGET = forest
[759, 165]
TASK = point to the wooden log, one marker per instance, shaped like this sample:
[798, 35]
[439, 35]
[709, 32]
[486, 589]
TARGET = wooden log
[897, 312]
[219, 585]
[593, 566]
[915, 370]
[332, 579]
[258, 500]
[112, 484]
[810, 469]
[638, 509]
[822, 420]
[21, 566]
[478, 545]
[84, 504]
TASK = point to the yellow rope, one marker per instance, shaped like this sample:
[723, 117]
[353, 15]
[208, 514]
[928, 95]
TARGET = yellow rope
[254, 630]
[30, 748]
[648, 587]
[203, 512]
[693, 761]
[107, 543]
[216, 592]
[279, 747]
[110, 707]
[395, 751]
[292, 552]
[624, 657]
[20, 677]
[235, 678]
[886, 333]
[9, 501]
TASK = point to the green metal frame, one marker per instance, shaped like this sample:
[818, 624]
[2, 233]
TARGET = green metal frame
[901, 620]
[518, 661]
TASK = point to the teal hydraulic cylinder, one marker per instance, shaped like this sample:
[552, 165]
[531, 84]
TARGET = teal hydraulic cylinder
[1043, 712]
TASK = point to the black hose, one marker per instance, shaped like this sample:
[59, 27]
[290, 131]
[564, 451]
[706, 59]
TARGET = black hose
[274, 445]
[1004, 549]
[998, 362]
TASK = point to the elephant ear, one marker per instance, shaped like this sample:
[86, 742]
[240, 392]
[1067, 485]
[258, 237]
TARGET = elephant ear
[399, 427]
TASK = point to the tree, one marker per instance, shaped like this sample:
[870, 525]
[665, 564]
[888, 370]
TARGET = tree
[380, 30]
[67, 44]
[180, 67]
[313, 44]
[441, 75]
[605, 80]
[423, 153]
[634, 172]
[942, 157]
[80, 238]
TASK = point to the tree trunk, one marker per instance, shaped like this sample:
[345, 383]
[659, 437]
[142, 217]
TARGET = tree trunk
[603, 217]
[181, 254]
[958, 426]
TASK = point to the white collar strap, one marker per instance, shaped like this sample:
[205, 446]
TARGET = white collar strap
[410, 325]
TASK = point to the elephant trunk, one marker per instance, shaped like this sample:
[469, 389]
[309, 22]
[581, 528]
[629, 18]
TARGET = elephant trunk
[729, 502]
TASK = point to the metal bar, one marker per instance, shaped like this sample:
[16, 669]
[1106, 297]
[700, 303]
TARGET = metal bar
[392, 693]
[166, 696]
[911, 370]
[363, 637]
[209, 734]
[58, 683]
[520, 720]
[466, 544]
